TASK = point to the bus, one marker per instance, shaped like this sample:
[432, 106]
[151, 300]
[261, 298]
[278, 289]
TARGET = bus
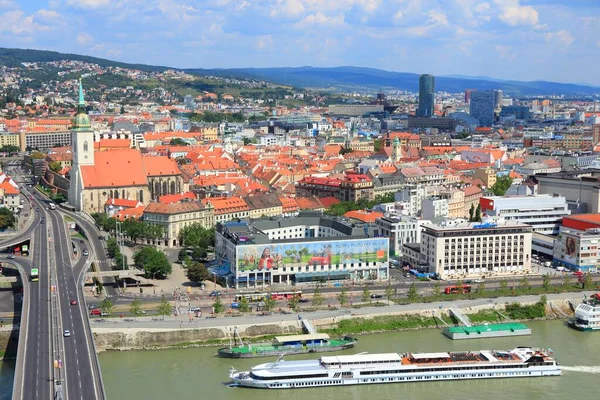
[458, 289]
[34, 275]
[52, 206]
[263, 296]
[24, 250]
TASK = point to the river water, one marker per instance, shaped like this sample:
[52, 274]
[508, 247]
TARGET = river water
[195, 373]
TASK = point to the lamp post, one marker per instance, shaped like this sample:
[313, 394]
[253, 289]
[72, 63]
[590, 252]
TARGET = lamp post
[154, 281]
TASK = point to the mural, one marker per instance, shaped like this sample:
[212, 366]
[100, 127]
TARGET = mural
[570, 246]
[275, 256]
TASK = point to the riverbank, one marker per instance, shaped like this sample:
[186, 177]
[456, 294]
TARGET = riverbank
[219, 331]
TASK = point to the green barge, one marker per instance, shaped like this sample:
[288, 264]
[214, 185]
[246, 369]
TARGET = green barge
[487, 331]
[285, 345]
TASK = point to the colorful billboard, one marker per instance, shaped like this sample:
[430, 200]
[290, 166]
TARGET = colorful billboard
[274, 256]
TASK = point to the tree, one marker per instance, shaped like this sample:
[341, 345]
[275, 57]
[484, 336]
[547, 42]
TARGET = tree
[413, 292]
[546, 282]
[7, 218]
[389, 293]
[244, 305]
[378, 145]
[199, 253]
[9, 148]
[55, 166]
[164, 308]
[501, 186]
[293, 302]
[481, 288]
[153, 261]
[106, 306]
[197, 272]
[178, 142]
[196, 235]
[122, 111]
[270, 302]
[36, 155]
[477, 214]
[112, 247]
[588, 283]
[524, 284]
[472, 212]
[503, 285]
[135, 307]
[121, 262]
[317, 299]
[437, 290]
[218, 306]
[182, 255]
[366, 295]
[342, 297]
[566, 281]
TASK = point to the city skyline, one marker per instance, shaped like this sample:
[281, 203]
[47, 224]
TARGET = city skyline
[504, 39]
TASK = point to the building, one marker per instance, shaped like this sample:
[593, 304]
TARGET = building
[482, 107]
[479, 250]
[497, 98]
[577, 247]
[10, 139]
[355, 110]
[435, 207]
[519, 112]
[442, 123]
[173, 217]
[468, 93]
[311, 247]
[426, 95]
[487, 176]
[227, 208]
[544, 213]
[264, 205]
[400, 230]
[580, 188]
[413, 195]
[352, 187]
[44, 140]
[10, 196]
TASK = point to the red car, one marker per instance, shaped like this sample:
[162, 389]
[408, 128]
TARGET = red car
[73, 302]
[578, 273]
[96, 311]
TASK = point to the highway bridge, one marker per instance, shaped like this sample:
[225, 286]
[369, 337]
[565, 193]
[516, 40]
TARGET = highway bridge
[50, 365]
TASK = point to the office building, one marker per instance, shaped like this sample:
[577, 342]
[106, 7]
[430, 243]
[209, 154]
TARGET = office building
[426, 95]
[308, 248]
[580, 188]
[355, 110]
[476, 250]
[497, 98]
[577, 247]
[543, 212]
[482, 107]
[519, 112]
[468, 93]
[400, 230]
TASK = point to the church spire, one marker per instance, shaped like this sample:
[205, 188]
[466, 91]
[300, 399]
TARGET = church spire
[81, 99]
[82, 120]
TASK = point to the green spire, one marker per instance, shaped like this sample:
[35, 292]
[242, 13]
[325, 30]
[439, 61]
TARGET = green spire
[81, 99]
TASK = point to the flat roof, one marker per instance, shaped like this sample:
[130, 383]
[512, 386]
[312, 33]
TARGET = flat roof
[361, 358]
[298, 338]
[487, 328]
[423, 356]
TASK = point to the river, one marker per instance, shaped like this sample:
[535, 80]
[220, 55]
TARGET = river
[190, 373]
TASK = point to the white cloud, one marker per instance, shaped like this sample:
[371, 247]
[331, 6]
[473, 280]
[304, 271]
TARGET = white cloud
[562, 37]
[398, 15]
[437, 17]
[17, 23]
[322, 19]
[513, 13]
[105, 50]
[47, 15]
[505, 52]
[84, 38]
[264, 42]
[288, 8]
[7, 3]
[89, 3]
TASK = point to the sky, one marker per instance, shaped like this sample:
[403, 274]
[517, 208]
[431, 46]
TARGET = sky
[557, 40]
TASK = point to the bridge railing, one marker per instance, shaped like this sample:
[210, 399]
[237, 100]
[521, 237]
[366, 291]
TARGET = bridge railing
[20, 364]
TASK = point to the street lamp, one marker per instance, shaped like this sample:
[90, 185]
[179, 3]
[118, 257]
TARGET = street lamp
[154, 281]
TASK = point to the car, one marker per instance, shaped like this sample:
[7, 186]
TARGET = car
[376, 296]
[215, 293]
[85, 252]
[73, 302]
[42, 221]
[468, 281]
[96, 311]
[141, 312]
[304, 300]
[11, 256]
[478, 281]
[194, 309]
[67, 333]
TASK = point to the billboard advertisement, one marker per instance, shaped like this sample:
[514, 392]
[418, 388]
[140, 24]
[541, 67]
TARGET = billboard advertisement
[274, 256]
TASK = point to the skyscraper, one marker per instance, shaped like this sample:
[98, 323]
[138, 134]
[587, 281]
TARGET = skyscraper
[482, 107]
[497, 98]
[426, 95]
[468, 95]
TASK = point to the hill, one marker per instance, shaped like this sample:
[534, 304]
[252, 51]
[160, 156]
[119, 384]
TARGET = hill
[348, 78]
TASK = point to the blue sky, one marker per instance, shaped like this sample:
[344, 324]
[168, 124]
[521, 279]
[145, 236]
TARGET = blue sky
[510, 39]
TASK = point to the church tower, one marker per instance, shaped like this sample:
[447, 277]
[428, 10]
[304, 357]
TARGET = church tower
[396, 151]
[82, 142]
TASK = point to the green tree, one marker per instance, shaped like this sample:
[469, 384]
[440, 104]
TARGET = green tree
[588, 282]
[218, 306]
[112, 247]
[178, 142]
[7, 218]
[546, 282]
[342, 297]
[413, 292]
[366, 295]
[244, 304]
[317, 298]
[503, 286]
[501, 186]
[196, 235]
[153, 261]
[199, 253]
[389, 293]
[10, 149]
[472, 212]
[481, 288]
[135, 307]
[293, 303]
[437, 290]
[197, 272]
[378, 145]
[269, 302]
[566, 281]
[477, 213]
[106, 306]
[55, 166]
[182, 255]
[164, 308]
[121, 261]
[524, 284]
[36, 155]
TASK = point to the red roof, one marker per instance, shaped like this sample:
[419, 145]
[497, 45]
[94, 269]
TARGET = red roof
[363, 215]
[115, 169]
[328, 201]
[160, 165]
[176, 198]
[122, 203]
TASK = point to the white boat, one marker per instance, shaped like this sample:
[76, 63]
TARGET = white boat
[393, 368]
[587, 315]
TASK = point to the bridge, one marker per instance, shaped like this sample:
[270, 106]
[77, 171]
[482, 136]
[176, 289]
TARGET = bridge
[460, 316]
[50, 365]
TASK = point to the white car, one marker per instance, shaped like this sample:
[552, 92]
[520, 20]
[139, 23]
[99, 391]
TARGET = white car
[67, 333]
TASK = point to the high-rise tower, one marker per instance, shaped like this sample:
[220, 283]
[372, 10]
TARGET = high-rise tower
[82, 142]
[426, 95]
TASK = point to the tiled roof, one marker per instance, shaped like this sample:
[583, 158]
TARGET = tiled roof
[225, 205]
[114, 143]
[173, 208]
[122, 203]
[136, 213]
[176, 198]
[363, 215]
[309, 203]
[328, 201]
[160, 166]
[261, 201]
[115, 169]
[288, 204]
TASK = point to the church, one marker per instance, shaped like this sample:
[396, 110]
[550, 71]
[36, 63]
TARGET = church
[96, 177]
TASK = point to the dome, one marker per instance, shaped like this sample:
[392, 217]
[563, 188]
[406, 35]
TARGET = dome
[81, 121]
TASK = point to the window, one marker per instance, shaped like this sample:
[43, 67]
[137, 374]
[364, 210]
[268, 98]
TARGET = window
[85, 146]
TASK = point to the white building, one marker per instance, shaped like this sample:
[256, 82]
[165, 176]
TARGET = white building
[543, 212]
[477, 249]
[400, 230]
[414, 196]
[434, 207]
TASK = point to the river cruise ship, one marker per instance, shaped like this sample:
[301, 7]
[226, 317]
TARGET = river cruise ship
[587, 315]
[393, 368]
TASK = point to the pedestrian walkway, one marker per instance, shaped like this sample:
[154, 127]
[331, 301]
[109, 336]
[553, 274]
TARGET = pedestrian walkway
[460, 316]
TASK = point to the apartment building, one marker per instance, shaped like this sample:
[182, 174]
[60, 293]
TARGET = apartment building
[352, 187]
[173, 217]
[400, 230]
